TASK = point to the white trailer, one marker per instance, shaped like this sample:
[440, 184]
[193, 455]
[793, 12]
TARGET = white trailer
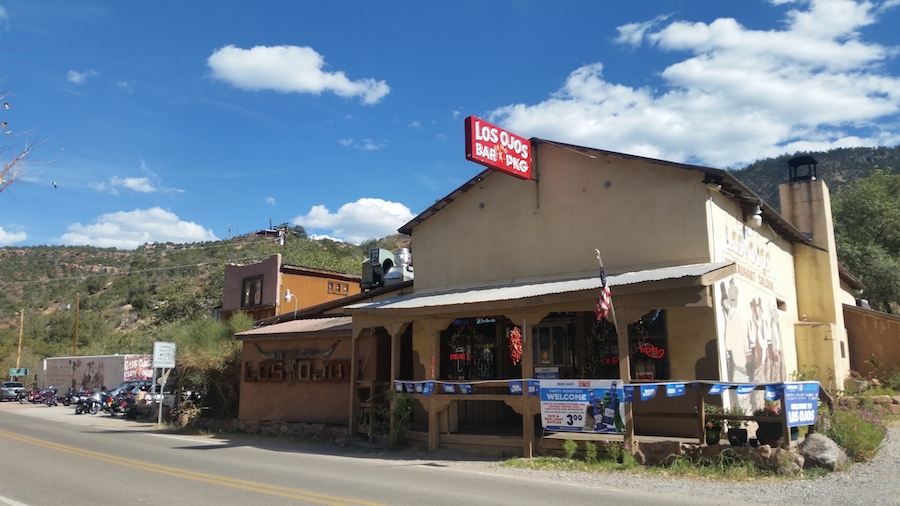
[96, 371]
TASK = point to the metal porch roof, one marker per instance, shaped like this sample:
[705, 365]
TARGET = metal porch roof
[537, 289]
[333, 324]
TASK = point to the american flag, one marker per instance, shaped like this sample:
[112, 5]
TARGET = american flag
[604, 302]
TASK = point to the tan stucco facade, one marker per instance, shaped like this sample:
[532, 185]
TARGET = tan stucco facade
[743, 326]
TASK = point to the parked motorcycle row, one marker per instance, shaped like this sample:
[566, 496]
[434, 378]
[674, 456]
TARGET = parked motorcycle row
[121, 403]
[36, 396]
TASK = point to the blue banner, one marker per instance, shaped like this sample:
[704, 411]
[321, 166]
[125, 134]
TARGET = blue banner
[717, 389]
[774, 392]
[647, 392]
[675, 390]
[745, 389]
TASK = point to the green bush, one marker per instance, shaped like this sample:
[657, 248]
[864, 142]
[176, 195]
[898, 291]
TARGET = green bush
[590, 452]
[858, 431]
[570, 447]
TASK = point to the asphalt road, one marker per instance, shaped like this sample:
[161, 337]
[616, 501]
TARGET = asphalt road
[50, 456]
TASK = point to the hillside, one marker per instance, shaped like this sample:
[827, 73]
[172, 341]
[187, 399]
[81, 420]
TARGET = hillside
[836, 167]
[124, 297]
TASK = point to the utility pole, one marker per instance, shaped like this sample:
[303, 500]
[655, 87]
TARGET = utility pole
[75, 340]
[21, 325]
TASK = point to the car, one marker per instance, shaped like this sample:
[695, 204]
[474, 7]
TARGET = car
[10, 390]
[127, 385]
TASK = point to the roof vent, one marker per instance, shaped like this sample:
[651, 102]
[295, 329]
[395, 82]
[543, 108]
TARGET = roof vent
[402, 270]
[373, 270]
[799, 161]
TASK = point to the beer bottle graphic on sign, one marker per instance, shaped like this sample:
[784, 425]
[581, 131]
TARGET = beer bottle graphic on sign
[608, 419]
[595, 408]
[618, 424]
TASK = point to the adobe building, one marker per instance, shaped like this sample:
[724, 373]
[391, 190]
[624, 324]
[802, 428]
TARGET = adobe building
[708, 282]
[269, 288]
[296, 360]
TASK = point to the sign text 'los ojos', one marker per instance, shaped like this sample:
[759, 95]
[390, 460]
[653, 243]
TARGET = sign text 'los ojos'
[497, 149]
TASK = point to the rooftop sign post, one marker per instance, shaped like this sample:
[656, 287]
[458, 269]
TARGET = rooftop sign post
[497, 148]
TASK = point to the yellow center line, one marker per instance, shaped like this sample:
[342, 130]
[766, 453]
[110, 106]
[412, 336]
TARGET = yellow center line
[252, 486]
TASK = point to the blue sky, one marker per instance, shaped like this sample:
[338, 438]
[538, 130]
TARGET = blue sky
[194, 121]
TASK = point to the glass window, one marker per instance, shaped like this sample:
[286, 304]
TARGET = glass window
[470, 350]
[251, 291]
[649, 344]
[555, 346]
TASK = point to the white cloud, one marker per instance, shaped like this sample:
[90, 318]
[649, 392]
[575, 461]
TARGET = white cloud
[364, 144]
[270, 201]
[73, 76]
[126, 86]
[739, 96]
[131, 229]
[147, 184]
[289, 69]
[9, 238]
[632, 34]
[355, 222]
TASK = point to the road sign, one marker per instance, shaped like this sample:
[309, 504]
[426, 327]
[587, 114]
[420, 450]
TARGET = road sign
[163, 355]
[18, 372]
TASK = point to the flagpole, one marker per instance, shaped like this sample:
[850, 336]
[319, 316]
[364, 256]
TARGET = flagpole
[624, 363]
[612, 307]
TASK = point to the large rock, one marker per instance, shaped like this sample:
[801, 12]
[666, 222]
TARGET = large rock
[820, 451]
[658, 453]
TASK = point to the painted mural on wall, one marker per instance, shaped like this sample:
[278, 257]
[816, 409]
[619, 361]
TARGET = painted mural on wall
[95, 372]
[751, 344]
[752, 338]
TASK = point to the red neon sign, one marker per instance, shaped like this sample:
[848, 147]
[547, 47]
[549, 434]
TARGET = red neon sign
[497, 148]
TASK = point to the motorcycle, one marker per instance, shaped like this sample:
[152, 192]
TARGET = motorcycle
[118, 405]
[49, 397]
[89, 403]
[34, 395]
[69, 397]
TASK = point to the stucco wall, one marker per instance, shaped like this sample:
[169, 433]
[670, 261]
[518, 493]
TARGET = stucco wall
[872, 335]
[505, 230]
[234, 278]
[314, 401]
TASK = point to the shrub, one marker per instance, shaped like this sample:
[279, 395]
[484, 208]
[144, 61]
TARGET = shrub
[590, 452]
[858, 431]
[570, 447]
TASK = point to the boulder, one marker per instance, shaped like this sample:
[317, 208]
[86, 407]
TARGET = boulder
[658, 453]
[819, 450]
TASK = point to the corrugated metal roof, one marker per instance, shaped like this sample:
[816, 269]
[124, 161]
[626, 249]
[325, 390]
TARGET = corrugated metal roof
[338, 323]
[526, 290]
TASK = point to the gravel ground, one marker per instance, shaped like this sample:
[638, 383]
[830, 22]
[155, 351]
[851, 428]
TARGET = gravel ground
[873, 483]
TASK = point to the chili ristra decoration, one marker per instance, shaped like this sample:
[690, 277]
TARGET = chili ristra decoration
[515, 345]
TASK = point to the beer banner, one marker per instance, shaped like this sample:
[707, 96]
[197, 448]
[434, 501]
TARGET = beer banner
[582, 406]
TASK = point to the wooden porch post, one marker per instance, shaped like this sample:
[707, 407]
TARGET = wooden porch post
[527, 319]
[353, 422]
[395, 330]
[625, 374]
[434, 327]
[527, 372]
